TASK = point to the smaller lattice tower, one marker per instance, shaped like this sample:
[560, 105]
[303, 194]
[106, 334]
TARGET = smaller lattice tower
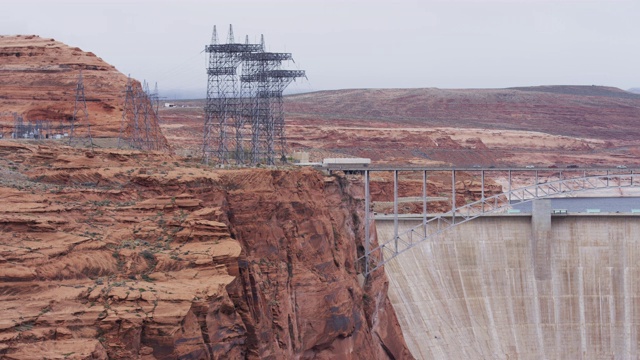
[155, 96]
[80, 105]
[139, 127]
[128, 128]
[19, 128]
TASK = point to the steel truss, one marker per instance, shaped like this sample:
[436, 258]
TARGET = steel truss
[80, 106]
[140, 125]
[244, 118]
[437, 223]
[35, 130]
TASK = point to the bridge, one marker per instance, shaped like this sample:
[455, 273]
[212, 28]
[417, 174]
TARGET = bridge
[518, 184]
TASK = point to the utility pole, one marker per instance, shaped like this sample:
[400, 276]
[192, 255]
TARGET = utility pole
[140, 128]
[128, 106]
[80, 105]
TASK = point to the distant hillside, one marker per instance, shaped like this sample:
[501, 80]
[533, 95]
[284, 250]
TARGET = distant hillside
[582, 91]
[634, 90]
[583, 111]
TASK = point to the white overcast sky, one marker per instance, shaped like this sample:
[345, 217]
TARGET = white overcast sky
[356, 44]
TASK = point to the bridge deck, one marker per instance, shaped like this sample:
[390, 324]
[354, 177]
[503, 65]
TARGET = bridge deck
[518, 184]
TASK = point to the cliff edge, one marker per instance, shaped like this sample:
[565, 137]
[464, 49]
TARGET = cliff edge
[126, 255]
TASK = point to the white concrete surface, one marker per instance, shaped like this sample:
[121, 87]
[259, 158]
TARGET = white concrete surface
[473, 293]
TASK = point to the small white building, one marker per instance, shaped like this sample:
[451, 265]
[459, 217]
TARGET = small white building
[300, 157]
[346, 161]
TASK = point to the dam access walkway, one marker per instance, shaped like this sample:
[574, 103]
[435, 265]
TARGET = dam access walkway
[516, 184]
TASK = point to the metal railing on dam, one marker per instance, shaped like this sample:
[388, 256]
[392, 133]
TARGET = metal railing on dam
[518, 184]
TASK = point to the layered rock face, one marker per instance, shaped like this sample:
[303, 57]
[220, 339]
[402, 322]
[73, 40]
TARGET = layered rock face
[124, 255]
[39, 79]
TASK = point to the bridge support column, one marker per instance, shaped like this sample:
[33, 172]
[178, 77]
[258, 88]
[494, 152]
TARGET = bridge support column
[541, 238]
[424, 203]
[367, 222]
[395, 209]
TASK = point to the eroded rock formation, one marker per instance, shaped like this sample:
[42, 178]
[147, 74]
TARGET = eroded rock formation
[39, 79]
[124, 255]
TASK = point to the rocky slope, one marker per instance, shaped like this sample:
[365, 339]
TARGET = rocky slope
[585, 111]
[39, 78]
[124, 255]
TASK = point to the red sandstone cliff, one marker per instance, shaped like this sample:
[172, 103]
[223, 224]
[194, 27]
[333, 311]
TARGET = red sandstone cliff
[127, 255]
[39, 79]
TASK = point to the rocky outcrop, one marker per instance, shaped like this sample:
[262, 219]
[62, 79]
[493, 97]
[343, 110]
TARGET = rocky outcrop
[293, 268]
[124, 255]
[40, 79]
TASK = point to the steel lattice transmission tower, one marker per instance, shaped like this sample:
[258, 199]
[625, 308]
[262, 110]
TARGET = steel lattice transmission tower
[139, 128]
[80, 105]
[244, 118]
[278, 81]
[222, 95]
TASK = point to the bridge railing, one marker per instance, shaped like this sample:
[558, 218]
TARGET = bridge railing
[436, 224]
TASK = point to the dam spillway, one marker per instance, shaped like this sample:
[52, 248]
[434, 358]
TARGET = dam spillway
[500, 287]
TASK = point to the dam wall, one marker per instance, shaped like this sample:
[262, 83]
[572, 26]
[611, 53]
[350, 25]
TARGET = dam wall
[509, 287]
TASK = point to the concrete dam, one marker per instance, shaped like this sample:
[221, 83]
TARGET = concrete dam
[521, 287]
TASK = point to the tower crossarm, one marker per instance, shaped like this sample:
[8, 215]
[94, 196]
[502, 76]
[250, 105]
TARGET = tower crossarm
[266, 56]
[286, 73]
[259, 77]
[233, 48]
[277, 75]
[230, 70]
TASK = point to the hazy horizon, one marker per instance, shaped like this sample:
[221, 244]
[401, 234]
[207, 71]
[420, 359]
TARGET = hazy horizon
[200, 95]
[456, 44]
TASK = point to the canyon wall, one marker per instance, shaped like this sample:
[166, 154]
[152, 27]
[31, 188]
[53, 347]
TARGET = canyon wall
[124, 255]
